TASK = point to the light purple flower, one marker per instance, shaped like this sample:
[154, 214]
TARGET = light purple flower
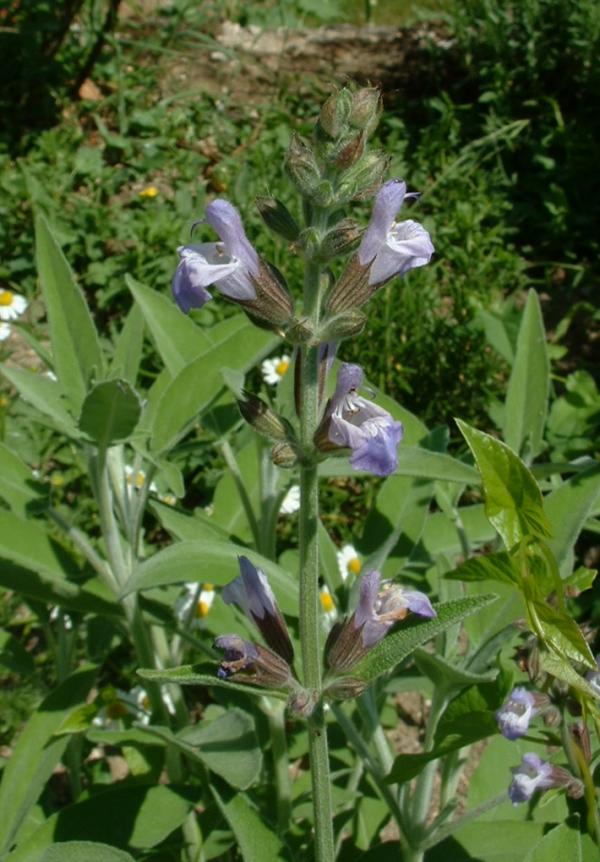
[393, 248]
[253, 595]
[362, 426]
[530, 775]
[378, 609]
[231, 265]
[516, 712]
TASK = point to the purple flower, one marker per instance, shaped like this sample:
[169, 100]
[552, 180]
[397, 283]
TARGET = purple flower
[389, 247]
[253, 595]
[377, 610]
[231, 265]
[530, 775]
[516, 712]
[362, 426]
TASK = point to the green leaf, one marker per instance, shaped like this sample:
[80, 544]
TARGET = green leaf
[129, 346]
[560, 632]
[562, 669]
[134, 816]
[513, 502]
[492, 567]
[562, 843]
[110, 412]
[447, 675]
[197, 384]
[177, 338]
[36, 753]
[568, 507]
[75, 346]
[227, 745]
[395, 647]
[204, 675]
[184, 526]
[84, 851]
[13, 656]
[45, 395]
[440, 535]
[17, 484]
[472, 728]
[413, 461]
[227, 508]
[493, 841]
[209, 559]
[529, 384]
[256, 841]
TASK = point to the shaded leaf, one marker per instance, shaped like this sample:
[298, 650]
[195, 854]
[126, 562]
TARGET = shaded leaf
[84, 851]
[256, 841]
[110, 412]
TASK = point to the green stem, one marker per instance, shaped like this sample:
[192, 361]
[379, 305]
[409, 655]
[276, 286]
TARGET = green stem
[310, 623]
[424, 785]
[275, 712]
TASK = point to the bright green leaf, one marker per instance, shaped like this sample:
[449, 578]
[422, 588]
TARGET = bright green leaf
[491, 567]
[568, 507]
[84, 851]
[513, 502]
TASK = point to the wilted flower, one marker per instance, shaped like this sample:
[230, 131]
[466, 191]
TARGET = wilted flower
[252, 663]
[352, 421]
[348, 561]
[233, 266]
[251, 592]
[291, 501]
[11, 305]
[4, 331]
[388, 248]
[516, 712]
[377, 611]
[273, 370]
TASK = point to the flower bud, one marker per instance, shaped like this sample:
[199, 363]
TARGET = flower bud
[284, 455]
[273, 303]
[264, 420]
[334, 113]
[365, 109]
[363, 179]
[302, 166]
[345, 688]
[303, 702]
[352, 289]
[351, 151]
[278, 218]
[343, 325]
[342, 240]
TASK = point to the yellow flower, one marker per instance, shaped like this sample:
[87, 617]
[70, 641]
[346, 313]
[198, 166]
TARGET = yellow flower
[149, 192]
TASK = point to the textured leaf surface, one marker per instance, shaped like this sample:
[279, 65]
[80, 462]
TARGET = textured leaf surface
[513, 501]
[256, 841]
[395, 647]
[205, 675]
[110, 412]
[84, 851]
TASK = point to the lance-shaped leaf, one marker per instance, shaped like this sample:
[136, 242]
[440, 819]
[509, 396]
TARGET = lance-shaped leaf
[568, 507]
[45, 395]
[492, 567]
[414, 632]
[205, 675]
[75, 345]
[84, 851]
[513, 502]
[529, 384]
[17, 484]
[256, 841]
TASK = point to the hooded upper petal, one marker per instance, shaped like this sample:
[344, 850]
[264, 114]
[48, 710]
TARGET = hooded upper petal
[202, 265]
[388, 201]
[407, 246]
[226, 220]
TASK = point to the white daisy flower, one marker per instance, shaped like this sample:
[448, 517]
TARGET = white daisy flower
[11, 305]
[136, 480]
[203, 600]
[291, 501]
[273, 370]
[348, 561]
[4, 331]
[327, 603]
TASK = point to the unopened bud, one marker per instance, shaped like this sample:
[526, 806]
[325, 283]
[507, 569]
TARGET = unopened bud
[365, 109]
[352, 289]
[310, 242]
[334, 113]
[323, 194]
[351, 151]
[342, 240]
[364, 178]
[581, 736]
[284, 455]
[343, 325]
[300, 330]
[262, 418]
[278, 218]
[302, 166]
[303, 702]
